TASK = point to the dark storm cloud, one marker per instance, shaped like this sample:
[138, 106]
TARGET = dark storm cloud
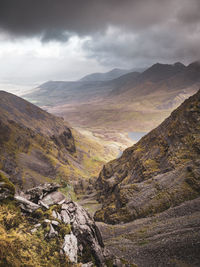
[143, 30]
[55, 35]
[84, 17]
[175, 38]
[145, 48]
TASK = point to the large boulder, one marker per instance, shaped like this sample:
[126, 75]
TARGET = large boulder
[52, 199]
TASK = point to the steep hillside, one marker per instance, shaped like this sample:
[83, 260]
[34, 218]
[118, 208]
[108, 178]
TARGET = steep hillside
[160, 171]
[155, 74]
[36, 146]
[55, 93]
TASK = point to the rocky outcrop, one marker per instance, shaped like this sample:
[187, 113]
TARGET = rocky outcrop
[81, 237]
[65, 139]
[160, 171]
[39, 192]
[82, 186]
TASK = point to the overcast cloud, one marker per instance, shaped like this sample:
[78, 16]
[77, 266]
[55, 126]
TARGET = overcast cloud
[61, 39]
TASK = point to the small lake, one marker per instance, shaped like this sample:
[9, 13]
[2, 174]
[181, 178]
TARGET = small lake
[136, 136]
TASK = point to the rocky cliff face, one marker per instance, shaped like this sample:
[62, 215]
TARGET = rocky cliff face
[160, 171]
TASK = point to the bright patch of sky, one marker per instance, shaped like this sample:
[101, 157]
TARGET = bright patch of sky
[24, 64]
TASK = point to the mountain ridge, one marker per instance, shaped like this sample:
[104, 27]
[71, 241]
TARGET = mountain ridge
[105, 76]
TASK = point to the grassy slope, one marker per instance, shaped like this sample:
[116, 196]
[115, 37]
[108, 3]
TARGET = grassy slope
[34, 158]
[20, 247]
[34, 148]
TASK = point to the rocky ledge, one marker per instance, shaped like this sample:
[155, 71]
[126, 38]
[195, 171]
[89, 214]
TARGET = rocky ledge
[82, 241]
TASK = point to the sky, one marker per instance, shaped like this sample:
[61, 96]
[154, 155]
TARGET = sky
[43, 40]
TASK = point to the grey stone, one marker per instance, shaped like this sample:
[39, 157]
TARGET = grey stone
[53, 198]
[26, 204]
[55, 223]
[61, 202]
[38, 192]
[65, 206]
[59, 216]
[4, 193]
[71, 207]
[117, 263]
[65, 217]
[43, 204]
[52, 232]
[86, 231]
[37, 225]
[88, 264]
[70, 247]
[54, 214]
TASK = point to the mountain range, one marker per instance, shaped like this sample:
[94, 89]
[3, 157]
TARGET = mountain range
[110, 75]
[144, 99]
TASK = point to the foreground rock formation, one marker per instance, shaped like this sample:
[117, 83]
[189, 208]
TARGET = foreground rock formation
[81, 236]
[162, 170]
[54, 217]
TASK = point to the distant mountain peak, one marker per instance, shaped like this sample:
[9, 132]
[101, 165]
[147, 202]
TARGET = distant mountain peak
[195, 64]
[179, 64]
[105, 76]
